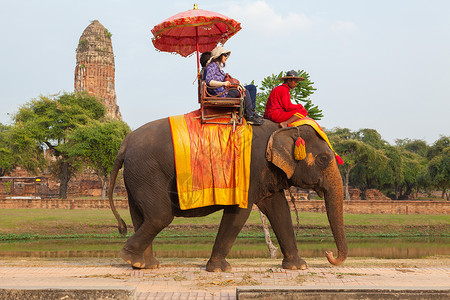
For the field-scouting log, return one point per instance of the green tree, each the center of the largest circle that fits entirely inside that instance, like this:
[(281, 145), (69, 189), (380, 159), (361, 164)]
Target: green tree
[(17, 148), (299, 95), (357, 155), (412, 166), (371, 137), (404, 167), (437, 172), (438, 147), (419, 147), (394, 172), (96, 145), (371, 174), (49, 121), (6, 154)]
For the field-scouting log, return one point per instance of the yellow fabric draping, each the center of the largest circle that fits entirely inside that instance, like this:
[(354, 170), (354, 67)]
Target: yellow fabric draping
[(212, 162)]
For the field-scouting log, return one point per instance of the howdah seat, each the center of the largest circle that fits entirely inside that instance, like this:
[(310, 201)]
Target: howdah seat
[(220, 110)]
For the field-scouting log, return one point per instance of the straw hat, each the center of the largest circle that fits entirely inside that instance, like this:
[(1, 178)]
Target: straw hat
[(218, 51), (292, 75)]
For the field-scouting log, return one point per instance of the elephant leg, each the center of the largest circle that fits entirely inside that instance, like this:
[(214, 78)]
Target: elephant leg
[(138, 250), (233, 220), (136, 215), (277, 211)]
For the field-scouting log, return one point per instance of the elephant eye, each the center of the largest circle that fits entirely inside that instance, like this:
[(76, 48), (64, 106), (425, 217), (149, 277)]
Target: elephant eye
[(323, 160)]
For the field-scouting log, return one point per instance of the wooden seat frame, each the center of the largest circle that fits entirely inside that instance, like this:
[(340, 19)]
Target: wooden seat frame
[(214, 107)]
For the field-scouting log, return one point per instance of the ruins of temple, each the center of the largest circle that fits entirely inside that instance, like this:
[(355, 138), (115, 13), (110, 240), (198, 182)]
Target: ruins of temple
[(95, 70)]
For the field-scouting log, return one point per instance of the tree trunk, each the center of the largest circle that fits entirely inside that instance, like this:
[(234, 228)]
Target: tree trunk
[(347, 181), (347, 175), (396, 191), (363, 194), (270, 245), (408, 191), (443, 193), (64, 177), (104, 181)]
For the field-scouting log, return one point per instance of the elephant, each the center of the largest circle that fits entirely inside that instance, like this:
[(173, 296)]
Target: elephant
[(150, 180)]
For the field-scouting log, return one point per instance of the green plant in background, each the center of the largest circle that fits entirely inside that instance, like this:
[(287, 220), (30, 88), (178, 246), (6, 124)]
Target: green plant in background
[(101, 50), (18, 148), (49, 121), (107, 33), (7, 187), (437, 172), (82, 45), (96, 145), (299, 95)]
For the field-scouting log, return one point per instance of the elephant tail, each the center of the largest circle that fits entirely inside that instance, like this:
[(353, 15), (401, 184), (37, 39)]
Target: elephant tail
[(112, 182)]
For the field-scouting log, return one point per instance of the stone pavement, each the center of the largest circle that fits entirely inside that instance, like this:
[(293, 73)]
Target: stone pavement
[(193, 282)]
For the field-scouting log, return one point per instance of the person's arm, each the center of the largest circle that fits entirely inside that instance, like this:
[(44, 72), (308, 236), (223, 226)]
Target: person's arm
[(289, 106), (219, 83), (213, 76)]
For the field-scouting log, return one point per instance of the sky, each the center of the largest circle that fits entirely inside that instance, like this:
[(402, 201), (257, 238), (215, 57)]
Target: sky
[(380, 64)]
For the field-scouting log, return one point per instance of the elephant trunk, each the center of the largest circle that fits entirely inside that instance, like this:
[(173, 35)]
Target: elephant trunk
[(334, 199)]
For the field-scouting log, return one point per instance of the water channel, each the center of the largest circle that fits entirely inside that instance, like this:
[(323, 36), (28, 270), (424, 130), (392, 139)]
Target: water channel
[(243, 248)]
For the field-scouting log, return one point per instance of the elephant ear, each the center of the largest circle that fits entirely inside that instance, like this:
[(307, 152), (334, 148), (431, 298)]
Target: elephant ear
[(280, 150)]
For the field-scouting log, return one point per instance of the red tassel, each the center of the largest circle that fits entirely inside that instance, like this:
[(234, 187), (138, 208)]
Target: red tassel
[(299, 142), (339, 160)]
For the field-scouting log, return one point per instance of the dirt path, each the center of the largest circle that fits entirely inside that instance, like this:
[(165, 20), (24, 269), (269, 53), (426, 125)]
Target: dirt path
[(187, 278)]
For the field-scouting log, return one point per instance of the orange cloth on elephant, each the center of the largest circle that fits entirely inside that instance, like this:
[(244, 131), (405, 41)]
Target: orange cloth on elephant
[(212, 162), (279, 107)]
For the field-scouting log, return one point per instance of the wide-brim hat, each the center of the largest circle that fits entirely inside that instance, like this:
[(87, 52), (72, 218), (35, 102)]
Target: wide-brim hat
[(218, 51), (292, 75)]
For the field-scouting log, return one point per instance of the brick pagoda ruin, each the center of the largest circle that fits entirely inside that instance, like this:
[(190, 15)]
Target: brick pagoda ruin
[(95, 70)]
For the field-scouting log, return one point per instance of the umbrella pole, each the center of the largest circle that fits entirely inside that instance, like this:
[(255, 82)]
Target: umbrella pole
[(198, 58)]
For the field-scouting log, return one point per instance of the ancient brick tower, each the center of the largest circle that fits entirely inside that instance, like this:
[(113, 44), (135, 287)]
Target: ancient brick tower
[(95, 71)]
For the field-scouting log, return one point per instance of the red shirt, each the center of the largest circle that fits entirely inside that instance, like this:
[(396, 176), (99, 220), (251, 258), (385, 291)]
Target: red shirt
[(279, 107)]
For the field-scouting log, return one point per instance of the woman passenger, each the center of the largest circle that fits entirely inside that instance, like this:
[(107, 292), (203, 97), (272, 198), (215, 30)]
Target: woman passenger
[(215, 77)]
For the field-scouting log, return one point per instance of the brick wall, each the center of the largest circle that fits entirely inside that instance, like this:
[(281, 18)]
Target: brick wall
[(350, 207), (379, 207), (62, 203)]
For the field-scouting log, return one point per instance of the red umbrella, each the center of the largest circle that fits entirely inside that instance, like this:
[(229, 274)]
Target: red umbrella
[(193, 30)]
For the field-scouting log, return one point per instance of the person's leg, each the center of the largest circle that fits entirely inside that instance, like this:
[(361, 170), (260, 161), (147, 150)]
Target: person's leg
[(251, 88), (293, 118), (251, 117), (249, 109)]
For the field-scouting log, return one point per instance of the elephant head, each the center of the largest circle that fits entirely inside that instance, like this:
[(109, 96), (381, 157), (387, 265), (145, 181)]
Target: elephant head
[(315, 169)]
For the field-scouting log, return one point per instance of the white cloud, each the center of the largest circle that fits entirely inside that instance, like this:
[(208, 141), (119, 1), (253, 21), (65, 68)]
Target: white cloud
[(260, 17), (344, 26)]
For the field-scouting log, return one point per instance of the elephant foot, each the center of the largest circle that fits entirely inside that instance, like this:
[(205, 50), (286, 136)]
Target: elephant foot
[(138, 261), (215, 265), (294, 263)]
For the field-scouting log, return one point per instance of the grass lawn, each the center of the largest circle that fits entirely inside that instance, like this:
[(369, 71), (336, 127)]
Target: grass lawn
[(102, 222), (94, 230)]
